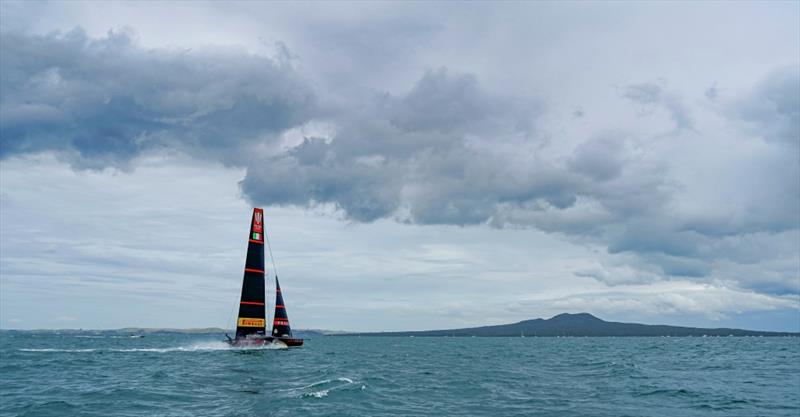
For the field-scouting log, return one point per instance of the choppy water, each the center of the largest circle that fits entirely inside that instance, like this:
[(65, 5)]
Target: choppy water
[(181, 375)]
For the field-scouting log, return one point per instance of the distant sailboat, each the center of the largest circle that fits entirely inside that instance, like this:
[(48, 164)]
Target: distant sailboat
[(251, 322)]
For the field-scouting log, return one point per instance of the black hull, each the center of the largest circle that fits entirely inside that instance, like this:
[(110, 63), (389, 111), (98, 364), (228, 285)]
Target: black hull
[(257, 342)]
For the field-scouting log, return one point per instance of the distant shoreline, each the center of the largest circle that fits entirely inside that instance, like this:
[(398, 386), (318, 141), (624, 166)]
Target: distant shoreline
[(562, 325), (153, 330)]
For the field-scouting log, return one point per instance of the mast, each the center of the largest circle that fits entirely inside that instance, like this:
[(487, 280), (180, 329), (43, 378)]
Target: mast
[(251, 319), (280, 323)]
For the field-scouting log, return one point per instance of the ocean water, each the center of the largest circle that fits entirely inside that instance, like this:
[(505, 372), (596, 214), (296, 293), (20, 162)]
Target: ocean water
[(43, 374)]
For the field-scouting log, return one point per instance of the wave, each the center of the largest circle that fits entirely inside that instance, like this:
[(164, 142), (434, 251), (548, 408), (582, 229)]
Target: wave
[(327, 381), (107, 337), (317, 394), (322, 388)]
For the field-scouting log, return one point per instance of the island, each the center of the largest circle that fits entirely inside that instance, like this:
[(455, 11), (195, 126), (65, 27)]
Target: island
[(575, 325)]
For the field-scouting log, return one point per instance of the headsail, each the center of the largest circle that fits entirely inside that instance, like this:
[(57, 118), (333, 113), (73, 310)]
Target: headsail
[(280, 324), (252, 320)]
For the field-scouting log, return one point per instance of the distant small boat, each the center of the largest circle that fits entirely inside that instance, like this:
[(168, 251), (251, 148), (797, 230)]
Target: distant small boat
[(251, 322)]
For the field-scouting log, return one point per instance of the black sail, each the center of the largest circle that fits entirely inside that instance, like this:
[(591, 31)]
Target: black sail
[(252, 320), (280, 324)]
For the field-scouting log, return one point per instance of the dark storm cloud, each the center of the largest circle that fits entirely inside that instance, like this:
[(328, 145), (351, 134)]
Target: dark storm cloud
[(415, 152), (107, 100)]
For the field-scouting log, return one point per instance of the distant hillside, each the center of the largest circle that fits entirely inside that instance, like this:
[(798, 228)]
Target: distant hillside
[(582, 324)]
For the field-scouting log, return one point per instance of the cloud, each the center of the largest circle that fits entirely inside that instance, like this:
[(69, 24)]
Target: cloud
[(447, 150), (600, 158), (653, 95), (445, 103), (103, 102), (714, 300), (772, 109), (435, 153)]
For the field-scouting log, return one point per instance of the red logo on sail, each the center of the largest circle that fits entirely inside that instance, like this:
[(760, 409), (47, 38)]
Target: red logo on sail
[(258, 225)]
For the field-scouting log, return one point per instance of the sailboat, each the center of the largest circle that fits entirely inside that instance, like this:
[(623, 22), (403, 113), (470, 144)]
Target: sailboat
[(252, 319)]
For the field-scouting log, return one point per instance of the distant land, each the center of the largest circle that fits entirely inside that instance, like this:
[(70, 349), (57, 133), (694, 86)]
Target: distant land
[(575, 325), (562, 325), (141, 331)]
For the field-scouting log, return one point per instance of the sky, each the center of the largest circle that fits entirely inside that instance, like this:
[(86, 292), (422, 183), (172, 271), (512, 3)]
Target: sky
[(421, 165)]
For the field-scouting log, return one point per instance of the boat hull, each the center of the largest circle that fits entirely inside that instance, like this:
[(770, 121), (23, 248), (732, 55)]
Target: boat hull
[(290, 342)]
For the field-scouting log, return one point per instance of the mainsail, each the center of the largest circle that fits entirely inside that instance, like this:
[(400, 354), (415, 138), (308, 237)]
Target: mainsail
[(252, 320), (280, 324)]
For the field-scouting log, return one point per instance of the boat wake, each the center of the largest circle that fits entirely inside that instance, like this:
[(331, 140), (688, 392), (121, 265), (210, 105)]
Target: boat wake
[(58, 350), (277, 344), (197, 347)]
